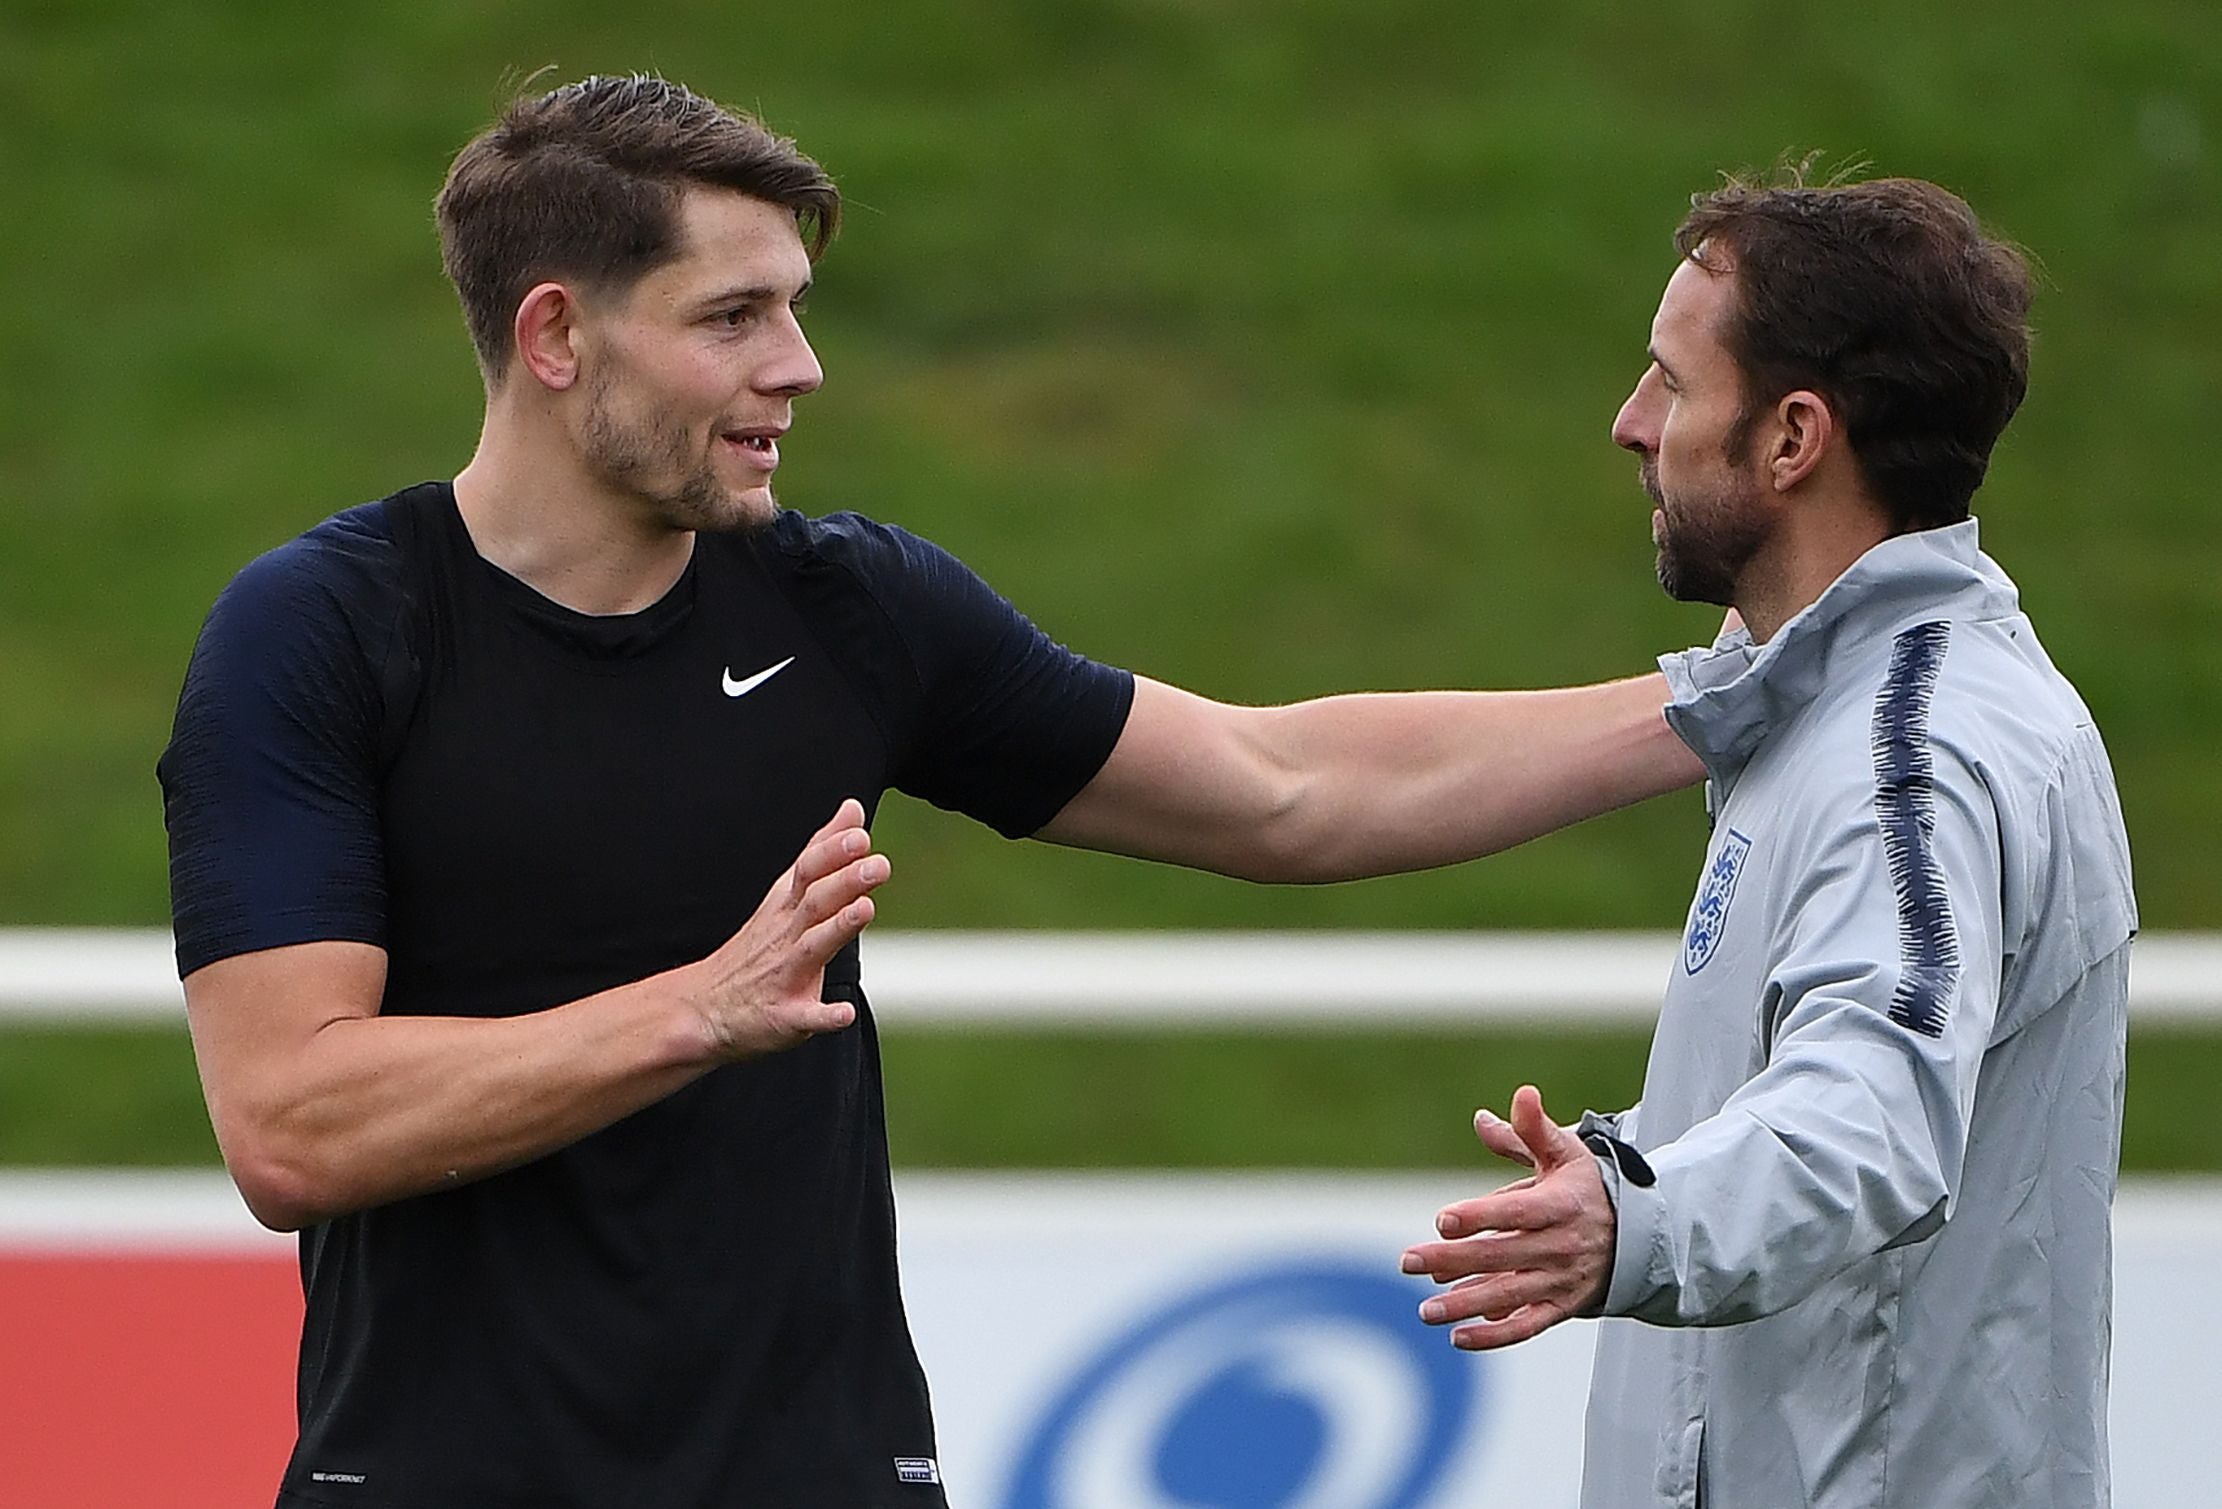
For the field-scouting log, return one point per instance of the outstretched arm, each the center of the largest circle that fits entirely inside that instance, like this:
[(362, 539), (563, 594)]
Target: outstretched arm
[(1370, 784), (323, 1106)]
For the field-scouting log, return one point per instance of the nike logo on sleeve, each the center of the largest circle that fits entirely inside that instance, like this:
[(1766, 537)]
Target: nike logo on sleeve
[(742, 688)]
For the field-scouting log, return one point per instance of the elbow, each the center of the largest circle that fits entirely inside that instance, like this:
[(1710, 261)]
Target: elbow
[(277, 1194), (1284, 843), (281, 1183), (1283, 837)]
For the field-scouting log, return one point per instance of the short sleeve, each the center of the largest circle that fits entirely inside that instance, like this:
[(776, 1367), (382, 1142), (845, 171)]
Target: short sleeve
[(1008, 725), (270, 780)]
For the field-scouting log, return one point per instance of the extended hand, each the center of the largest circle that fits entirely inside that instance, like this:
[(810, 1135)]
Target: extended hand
[(761, 991), (1530, 1255)]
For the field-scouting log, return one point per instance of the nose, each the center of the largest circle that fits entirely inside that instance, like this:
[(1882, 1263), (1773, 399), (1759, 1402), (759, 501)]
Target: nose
[(1635, 427), (793, 369)]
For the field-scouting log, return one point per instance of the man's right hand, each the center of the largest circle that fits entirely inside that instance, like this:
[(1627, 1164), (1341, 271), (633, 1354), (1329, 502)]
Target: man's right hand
[(761, 992)]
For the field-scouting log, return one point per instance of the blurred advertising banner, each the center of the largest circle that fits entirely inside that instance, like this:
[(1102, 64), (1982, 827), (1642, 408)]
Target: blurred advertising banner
[(1217, 1341), (1094, 1342)]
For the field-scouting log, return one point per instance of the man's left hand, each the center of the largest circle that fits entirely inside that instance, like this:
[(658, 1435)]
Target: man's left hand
[(1530, 1255)]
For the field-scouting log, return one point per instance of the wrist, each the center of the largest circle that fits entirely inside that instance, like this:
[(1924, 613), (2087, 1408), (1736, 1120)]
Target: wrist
[(693, 1035)]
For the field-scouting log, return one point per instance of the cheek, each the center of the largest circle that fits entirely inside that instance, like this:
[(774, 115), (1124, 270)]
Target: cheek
[(1690, 437), (710, 362), (683, 375)]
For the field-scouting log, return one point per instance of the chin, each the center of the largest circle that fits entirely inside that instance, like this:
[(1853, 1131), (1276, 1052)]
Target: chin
[(747, 505), (721, 510), (753, 508)]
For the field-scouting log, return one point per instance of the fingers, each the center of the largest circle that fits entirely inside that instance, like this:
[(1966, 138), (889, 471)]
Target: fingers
[(1524, 1206), (833, 912), (761, 991), (1549, 1143), (850, 814), (833, 872), (1445, 1261), (1494, 1252), (1496, 1296), (841, 841), (817, 945), (1533, 1253), (1503, 1308), (1497, 1135), (1520, 1325), (830, 893), (822, 1016)]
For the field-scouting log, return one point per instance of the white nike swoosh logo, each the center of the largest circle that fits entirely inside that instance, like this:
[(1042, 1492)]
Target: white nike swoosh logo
[(743, 688)]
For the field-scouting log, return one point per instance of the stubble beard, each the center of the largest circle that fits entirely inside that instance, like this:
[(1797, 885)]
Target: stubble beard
[(640, 456), (1708, 538)]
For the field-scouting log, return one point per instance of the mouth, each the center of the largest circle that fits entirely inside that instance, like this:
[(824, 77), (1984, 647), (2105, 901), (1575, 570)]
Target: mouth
[(1647, 473), (757, 446)]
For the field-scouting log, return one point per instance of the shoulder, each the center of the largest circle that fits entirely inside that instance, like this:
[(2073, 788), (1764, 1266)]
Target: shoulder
[(1939, 713), (327, 609), (1994, 702), (882, 559), (855, 576), (350, 561), (1982, 688)]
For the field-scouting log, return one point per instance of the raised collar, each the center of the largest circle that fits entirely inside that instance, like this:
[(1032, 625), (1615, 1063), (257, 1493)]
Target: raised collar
[(1728, 696)]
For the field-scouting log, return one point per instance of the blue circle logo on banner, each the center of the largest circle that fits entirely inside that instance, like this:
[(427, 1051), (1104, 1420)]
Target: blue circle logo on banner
[(1309, 1387)]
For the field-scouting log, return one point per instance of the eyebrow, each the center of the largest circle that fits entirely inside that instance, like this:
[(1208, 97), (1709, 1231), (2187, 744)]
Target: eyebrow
[(755, 293)]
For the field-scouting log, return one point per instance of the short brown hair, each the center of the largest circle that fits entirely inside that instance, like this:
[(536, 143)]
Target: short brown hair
[(1889, 300), (585, 182)]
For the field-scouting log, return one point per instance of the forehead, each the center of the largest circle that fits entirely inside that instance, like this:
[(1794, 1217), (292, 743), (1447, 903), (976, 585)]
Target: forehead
[(1692, 313), (727, 238)]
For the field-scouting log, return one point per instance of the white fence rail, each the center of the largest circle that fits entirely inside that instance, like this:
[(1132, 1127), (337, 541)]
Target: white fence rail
[(1147, 980)]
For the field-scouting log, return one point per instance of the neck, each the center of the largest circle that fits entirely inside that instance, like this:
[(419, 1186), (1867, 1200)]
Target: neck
[(532, 510), (1814, 547)]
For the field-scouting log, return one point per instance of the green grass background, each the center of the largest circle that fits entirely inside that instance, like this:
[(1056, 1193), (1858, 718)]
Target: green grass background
[(1267, 346)]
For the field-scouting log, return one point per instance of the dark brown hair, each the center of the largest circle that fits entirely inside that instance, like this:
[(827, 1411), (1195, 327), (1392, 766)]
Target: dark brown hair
[(1888, 300), (585, 182)]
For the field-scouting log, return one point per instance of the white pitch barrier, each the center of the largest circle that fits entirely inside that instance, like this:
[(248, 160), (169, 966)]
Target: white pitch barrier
[(1143, 980)]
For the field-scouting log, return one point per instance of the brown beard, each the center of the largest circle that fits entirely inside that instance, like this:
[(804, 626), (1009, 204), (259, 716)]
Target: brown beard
[(631, 456), (1708, 539)]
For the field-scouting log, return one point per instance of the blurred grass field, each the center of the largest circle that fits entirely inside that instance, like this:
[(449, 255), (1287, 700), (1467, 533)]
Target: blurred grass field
[(1265, 347), (1201, 1099)]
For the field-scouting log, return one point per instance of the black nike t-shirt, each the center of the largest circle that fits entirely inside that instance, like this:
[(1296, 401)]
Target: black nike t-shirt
[(383, 738)]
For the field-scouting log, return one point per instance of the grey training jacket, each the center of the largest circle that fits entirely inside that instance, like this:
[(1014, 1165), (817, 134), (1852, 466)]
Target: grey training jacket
[(1884, 1101)]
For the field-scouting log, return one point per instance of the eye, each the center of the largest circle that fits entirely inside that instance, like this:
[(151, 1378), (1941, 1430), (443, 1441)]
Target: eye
[(735, 318)]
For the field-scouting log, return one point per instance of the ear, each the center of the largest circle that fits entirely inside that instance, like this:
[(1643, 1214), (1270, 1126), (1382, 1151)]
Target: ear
[(1805, 429), (547, 335)]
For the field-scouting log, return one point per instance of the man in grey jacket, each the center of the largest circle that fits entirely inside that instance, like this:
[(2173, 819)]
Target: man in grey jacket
[(1859, 1223)]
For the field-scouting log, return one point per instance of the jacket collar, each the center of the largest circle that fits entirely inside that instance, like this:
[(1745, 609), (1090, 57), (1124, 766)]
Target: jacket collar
[(1727, 697)]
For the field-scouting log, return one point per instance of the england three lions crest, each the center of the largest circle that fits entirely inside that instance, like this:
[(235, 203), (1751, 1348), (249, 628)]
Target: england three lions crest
[(1709, 917)]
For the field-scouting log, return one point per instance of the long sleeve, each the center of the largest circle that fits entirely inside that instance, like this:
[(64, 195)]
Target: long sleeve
[(1880, 1007)]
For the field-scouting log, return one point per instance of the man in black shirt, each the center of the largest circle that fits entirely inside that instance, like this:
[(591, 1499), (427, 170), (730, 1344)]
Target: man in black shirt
[(470, 787)]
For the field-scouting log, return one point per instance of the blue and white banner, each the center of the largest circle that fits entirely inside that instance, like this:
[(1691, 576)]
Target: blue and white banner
[(1093, 1342), (1245, 1342), (1216, 1342)]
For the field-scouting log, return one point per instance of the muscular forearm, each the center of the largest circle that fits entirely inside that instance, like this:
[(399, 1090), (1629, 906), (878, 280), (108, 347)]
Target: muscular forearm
[(1370, 784), (373, 1108), (1412, 780), (323, 1104)]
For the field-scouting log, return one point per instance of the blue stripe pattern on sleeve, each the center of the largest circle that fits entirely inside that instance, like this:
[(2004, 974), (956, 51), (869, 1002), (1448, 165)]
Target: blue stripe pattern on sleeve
[(1905, 806)]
